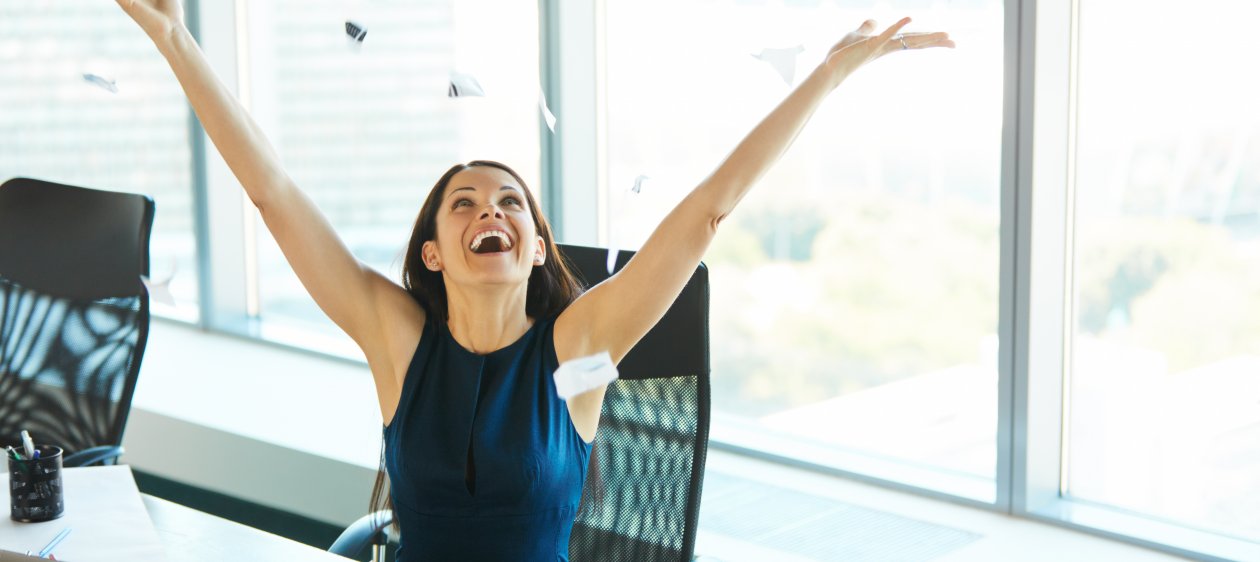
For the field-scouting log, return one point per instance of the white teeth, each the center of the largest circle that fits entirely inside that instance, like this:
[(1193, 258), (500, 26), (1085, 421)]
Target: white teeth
[(476, 243)]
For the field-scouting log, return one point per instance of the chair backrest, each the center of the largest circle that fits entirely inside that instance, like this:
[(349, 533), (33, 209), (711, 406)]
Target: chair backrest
[(642, 494), (74, 315)]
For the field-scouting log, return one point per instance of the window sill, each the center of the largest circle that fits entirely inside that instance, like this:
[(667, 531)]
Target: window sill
[(1146, 531), (740, 436)]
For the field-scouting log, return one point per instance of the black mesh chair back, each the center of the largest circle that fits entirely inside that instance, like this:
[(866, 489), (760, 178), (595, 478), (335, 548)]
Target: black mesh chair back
[(642, 496), (74, 315)]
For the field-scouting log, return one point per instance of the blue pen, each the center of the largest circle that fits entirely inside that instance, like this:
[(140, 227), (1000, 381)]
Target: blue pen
[(51, 545), (36, 457)]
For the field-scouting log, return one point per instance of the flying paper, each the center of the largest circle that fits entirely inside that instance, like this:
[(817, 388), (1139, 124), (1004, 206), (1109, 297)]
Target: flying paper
[(548, 116), (613, 251), (613, 246), (463, 85), (160, 291), (355, 31), (579, 375), (102, 82), (638, 183), (782, 60)]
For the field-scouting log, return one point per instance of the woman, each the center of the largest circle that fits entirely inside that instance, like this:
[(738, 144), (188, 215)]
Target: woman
[(485, 462)]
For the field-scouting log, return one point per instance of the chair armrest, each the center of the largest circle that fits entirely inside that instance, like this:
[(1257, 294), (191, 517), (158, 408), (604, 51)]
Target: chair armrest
[(369, 529), (92, 456)]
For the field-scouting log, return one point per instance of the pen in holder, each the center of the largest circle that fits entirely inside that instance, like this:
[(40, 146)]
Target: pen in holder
[(35, 492)]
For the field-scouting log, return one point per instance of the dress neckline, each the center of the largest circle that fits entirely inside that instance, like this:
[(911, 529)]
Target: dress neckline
[(446, 332)]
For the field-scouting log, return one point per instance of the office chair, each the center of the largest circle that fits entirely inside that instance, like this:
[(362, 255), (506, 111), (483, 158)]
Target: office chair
[(74, 315), (371, 529), (641, 500)]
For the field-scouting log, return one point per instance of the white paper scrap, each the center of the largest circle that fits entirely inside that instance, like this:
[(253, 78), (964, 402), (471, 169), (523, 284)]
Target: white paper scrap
[(612, 258), (548, 116), (576, 376), (464, 85), (355, 31), (782, 60), (161, 290), (104, 83), (613, 247), (638, 183)]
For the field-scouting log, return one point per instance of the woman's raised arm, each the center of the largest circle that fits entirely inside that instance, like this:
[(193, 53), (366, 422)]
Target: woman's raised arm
[(614, 315), (354, 296)]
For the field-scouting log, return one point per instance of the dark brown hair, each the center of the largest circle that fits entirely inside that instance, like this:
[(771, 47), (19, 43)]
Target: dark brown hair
[(552, 286)]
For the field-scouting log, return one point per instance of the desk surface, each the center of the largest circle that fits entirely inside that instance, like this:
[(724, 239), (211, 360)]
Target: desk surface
[(194, 536)]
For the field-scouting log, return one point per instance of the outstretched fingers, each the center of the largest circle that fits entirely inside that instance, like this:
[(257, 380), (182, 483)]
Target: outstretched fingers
[(884, 38), (858, 47), (924, 40)]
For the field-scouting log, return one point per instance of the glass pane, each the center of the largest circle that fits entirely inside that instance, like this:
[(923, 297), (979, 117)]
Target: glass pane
[(367, 128), (55, 125), (855, 289), (1165, 384)]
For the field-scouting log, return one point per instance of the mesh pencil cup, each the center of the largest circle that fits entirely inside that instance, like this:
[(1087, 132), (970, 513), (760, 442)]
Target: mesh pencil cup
[(35, 492)]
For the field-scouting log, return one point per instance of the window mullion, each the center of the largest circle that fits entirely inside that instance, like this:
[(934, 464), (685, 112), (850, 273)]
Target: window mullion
[(221, 220), (573, 157), (1042, 286)]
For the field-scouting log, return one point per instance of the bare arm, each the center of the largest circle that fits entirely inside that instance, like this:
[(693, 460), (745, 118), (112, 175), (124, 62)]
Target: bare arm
[(354, 296), (614, 315)]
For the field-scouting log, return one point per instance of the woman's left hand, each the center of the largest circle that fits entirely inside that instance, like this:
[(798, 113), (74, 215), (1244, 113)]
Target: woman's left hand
[(859, 47)]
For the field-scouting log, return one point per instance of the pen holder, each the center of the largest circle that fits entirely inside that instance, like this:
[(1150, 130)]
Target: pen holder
[(35, 492)]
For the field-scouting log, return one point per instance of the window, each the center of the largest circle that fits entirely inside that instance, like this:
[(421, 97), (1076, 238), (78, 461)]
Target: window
[(55, 125), (855, 290), (367, 128), (1165, 373)]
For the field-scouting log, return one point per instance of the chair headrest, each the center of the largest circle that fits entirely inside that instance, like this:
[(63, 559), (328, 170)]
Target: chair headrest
[(74, 242), (678, 344)]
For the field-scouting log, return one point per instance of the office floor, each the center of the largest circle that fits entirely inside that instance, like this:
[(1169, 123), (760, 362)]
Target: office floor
[(827, 518)]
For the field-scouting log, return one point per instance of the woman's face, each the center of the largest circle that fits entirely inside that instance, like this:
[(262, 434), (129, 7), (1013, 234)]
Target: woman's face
[(485, 234)]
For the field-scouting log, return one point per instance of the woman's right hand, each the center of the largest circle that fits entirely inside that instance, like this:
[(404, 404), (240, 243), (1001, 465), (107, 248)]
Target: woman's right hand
[(158, 18)]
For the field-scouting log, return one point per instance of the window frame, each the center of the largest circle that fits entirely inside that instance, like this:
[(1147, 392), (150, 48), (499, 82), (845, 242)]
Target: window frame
[(1043, 58), (570, 52), (227, 277)]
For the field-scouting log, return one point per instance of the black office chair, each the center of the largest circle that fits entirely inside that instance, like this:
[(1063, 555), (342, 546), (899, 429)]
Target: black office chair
[(74, 315), (642, 494), (641, 502), (370, 530)]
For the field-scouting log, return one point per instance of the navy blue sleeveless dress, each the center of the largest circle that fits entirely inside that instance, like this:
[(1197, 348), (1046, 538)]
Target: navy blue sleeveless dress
[(498, 412)]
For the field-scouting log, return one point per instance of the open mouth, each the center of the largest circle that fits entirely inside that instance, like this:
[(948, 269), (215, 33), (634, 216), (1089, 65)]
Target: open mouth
[(491, 242)]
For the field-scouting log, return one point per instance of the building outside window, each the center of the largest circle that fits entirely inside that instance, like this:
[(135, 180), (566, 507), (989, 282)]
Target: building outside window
[(855, 289)]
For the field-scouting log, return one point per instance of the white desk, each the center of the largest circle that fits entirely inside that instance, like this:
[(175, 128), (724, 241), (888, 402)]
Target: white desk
[(194, 536), (106, 513)]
